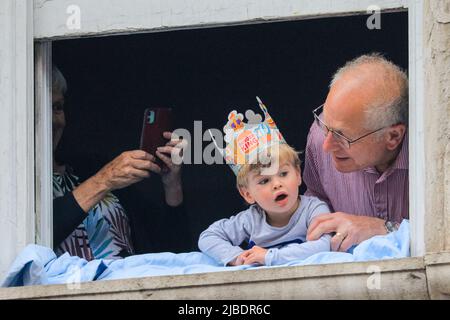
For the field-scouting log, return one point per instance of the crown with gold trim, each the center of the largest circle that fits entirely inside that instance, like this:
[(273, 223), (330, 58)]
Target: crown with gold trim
[(245, 142)]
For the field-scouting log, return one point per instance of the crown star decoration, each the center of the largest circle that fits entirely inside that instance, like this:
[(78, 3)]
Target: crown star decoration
[(245, 141)]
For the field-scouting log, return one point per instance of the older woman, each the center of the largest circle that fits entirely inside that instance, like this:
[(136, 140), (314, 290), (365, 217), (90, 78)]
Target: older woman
[(88, 219)]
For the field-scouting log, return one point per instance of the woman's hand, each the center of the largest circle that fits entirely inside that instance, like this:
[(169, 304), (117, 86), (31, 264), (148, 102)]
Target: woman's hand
[(131, 167), (173, 150), (171, 155), (126, 169)]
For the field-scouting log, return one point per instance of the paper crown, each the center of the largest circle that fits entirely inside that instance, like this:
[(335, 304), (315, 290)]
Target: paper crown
[(245, 141)]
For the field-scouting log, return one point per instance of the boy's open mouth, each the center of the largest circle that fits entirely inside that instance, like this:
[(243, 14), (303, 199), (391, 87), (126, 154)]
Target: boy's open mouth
[(281, 197)]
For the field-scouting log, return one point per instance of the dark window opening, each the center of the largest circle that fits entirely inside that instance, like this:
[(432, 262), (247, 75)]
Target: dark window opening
[(203, 74)]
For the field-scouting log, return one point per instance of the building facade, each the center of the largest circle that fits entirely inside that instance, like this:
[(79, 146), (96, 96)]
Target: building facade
[(28, 28)]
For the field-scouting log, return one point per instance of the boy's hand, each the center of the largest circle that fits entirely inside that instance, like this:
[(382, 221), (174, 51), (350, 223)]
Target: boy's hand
[(254, 255), (239, 259)]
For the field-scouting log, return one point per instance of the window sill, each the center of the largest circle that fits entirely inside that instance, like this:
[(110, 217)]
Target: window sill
[(399, 279)]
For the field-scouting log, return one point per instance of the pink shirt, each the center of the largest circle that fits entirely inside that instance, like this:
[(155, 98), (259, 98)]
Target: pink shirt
[(364, 192)]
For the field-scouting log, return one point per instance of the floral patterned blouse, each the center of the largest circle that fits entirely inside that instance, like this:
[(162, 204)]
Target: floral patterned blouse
[(104, 234)]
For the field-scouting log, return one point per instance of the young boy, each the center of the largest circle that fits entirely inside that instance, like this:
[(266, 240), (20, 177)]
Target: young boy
[(275, 225)]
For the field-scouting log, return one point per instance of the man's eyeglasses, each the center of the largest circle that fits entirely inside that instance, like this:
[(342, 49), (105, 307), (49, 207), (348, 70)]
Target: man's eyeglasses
[(338, 137)]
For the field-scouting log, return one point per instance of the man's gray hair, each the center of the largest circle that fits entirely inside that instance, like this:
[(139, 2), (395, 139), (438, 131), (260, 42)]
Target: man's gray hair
[(392, 107), (59, 83)]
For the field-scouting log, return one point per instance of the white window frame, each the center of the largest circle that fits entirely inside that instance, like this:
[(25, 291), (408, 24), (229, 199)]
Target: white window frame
[(44, 144), (52, 22), (17, 161)]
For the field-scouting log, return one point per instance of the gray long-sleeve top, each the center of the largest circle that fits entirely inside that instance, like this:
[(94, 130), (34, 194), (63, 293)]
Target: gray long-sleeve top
[(222, 239)]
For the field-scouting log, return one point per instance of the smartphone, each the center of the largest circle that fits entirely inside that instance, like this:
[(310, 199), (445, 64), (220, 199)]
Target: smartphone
[(156, 122)]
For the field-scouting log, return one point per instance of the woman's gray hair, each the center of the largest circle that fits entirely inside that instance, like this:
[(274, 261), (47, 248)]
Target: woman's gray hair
[(392, 107), (59, 83)]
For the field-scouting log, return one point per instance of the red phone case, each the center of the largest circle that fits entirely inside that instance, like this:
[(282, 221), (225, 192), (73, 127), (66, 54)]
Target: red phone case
[(156, 121)]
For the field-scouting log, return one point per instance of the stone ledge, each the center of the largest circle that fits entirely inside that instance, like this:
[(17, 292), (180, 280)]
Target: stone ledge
[(438, 275), (399, 278)]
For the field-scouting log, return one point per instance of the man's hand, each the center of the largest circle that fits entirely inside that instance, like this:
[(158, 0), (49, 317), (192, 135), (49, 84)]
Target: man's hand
[(350, 229)]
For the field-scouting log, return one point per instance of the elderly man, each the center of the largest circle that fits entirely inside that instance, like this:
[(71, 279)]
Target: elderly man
[(357, 152)]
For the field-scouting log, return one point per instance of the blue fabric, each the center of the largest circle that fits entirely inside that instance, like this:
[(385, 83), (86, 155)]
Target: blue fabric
[(39, 265)]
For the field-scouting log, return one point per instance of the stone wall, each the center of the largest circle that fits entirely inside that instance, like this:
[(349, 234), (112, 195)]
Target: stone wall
[(437, 124)]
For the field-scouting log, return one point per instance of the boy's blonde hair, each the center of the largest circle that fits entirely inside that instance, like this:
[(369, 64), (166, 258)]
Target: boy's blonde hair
[(286, 154)]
